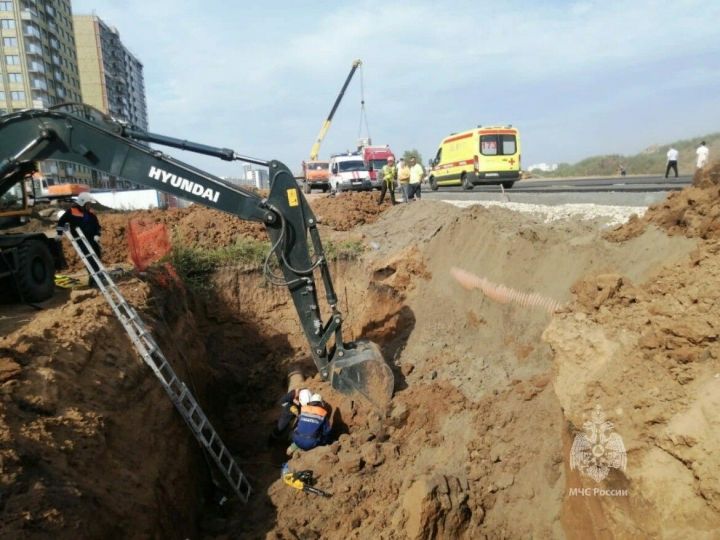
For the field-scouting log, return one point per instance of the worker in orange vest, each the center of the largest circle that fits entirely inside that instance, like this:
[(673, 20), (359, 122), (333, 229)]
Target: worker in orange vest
[(313, 426), (291, 403), (80, 216)]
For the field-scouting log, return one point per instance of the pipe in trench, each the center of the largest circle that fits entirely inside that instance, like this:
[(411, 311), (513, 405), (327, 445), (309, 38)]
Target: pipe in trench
[(295, 380)]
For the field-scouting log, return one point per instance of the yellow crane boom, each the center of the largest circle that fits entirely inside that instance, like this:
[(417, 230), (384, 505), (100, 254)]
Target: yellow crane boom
[(315, 150)]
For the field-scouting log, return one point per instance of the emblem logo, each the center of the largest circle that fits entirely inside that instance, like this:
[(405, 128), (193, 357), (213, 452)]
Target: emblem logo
[(599, 449)]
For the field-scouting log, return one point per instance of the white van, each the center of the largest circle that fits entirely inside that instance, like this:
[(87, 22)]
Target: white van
[(348, 172)]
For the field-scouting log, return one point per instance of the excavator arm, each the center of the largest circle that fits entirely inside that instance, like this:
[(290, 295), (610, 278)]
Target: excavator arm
[(79, 134)]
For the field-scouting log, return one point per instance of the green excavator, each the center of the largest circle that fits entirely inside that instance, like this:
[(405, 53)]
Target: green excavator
[(82, 135)]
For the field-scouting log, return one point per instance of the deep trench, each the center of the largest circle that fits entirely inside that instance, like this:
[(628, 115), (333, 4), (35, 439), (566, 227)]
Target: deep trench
[(251, 342), (236, 342)]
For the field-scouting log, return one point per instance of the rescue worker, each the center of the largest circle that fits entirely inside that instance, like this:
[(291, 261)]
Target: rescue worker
[(403, 175), (389, 176), (313, 426), (416, 175), (291, 403), (80, 216)]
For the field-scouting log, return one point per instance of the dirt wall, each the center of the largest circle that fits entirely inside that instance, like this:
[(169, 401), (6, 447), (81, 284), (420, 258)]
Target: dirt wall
[(646, 351), (477, 441), (90, 446)]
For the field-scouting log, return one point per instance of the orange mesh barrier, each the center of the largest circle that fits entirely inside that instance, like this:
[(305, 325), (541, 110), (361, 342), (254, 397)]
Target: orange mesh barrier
[(148, 242)]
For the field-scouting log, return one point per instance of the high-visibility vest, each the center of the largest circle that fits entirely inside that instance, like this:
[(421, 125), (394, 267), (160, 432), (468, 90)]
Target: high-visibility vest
[(312, 426), (389, 173)]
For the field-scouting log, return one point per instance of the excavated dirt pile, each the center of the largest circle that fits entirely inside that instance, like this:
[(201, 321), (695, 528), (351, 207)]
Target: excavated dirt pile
[(647, 351), (693, 212), (90, 447), (489, 399), (348, 210), (196, 226), (205, 228)]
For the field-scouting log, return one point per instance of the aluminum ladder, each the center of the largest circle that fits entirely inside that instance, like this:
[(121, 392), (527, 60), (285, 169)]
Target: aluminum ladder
[(147, 348)]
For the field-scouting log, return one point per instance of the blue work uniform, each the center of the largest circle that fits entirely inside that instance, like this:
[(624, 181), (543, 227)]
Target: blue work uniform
[(81, 217), (313, 426), (290, 404)]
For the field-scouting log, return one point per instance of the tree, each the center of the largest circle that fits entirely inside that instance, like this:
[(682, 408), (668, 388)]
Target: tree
[(412, 153)]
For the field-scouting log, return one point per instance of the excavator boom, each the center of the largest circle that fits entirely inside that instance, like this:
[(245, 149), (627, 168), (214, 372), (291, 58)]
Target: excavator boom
[(79, 134)]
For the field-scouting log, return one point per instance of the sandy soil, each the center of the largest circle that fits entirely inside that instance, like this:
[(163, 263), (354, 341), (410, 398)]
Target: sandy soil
[(489, 397)]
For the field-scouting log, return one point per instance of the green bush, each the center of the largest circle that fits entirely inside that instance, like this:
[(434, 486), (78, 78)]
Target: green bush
[(347, 250), (194, 263), (650, 161)]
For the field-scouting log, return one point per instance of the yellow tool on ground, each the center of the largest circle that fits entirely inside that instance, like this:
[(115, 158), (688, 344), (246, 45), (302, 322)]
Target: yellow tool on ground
[(66, 282), (302, 480)]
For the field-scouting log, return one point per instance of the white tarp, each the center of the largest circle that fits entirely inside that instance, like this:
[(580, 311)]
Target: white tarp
[(134, 199)]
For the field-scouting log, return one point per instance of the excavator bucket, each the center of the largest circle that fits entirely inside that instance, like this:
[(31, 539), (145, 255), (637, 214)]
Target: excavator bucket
[(362, 369)]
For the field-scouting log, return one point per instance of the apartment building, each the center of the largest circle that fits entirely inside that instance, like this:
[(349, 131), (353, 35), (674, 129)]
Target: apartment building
[(38, 65), (111, 77), (38, 61)]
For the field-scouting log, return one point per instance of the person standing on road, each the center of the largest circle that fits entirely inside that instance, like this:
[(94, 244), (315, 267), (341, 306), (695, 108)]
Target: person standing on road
[(416, 176), (702, 155), (672, 159), (403, 175), (80, 216), (389, 175)]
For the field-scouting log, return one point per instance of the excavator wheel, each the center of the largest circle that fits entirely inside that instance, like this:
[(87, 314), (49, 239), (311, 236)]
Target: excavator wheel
[(35, 275), (362, 369)]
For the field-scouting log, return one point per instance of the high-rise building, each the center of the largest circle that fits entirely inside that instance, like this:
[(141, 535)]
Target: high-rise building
[(38, 65), (48, 56), (258, 178), (38, 61), (111, 77)]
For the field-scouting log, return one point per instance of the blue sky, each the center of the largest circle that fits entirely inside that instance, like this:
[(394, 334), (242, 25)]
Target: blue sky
[(578, 78)]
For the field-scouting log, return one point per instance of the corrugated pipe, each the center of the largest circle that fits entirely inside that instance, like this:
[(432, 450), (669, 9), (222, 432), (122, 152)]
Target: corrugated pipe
[(503, 294)]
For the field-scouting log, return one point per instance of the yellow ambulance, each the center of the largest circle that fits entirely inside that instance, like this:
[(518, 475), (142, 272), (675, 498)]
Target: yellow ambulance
[(484, 155)]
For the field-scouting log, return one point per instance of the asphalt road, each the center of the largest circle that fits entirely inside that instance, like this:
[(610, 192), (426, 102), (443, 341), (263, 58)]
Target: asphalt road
[(615, 190)]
